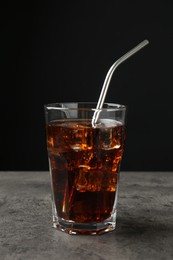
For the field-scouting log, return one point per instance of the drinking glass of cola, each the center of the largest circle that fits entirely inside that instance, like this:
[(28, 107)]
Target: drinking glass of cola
[(84, 162)]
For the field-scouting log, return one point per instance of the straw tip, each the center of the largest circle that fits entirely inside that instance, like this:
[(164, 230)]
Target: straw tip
[(146, 41)]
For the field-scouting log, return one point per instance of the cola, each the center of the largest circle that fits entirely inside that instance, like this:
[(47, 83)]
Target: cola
[(84, 164)]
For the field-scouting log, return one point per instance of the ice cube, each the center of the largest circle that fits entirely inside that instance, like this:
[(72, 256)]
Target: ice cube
[(110, 134), (81, 138), (94, 180), (108, 123), (81, 181)]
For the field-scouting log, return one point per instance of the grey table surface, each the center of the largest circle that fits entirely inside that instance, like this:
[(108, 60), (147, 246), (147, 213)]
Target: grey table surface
[(144, 222)]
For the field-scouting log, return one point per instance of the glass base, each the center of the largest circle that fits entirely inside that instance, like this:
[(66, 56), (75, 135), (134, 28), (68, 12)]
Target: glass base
[(74, 228)]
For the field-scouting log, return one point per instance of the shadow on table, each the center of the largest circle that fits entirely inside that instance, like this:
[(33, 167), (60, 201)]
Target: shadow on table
[(146, 227)]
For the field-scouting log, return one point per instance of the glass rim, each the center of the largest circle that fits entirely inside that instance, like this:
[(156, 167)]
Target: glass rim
[(113, 106)]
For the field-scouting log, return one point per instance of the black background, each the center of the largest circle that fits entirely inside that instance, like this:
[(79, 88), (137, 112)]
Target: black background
[(61, 51)]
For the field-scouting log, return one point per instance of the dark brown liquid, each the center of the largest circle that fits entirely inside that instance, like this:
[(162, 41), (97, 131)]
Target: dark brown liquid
[(84, 164)]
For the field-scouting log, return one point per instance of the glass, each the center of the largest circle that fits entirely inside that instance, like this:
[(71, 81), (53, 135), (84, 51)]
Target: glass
[(84, 162)]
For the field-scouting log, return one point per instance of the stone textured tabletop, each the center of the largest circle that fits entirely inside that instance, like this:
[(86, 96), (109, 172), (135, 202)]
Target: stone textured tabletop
[(144, 223)]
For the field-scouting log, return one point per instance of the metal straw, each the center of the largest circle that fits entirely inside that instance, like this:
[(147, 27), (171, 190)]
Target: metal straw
[(109, 76)]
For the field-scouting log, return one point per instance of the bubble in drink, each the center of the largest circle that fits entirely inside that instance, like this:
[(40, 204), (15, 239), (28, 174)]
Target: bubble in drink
[(84, 165)]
